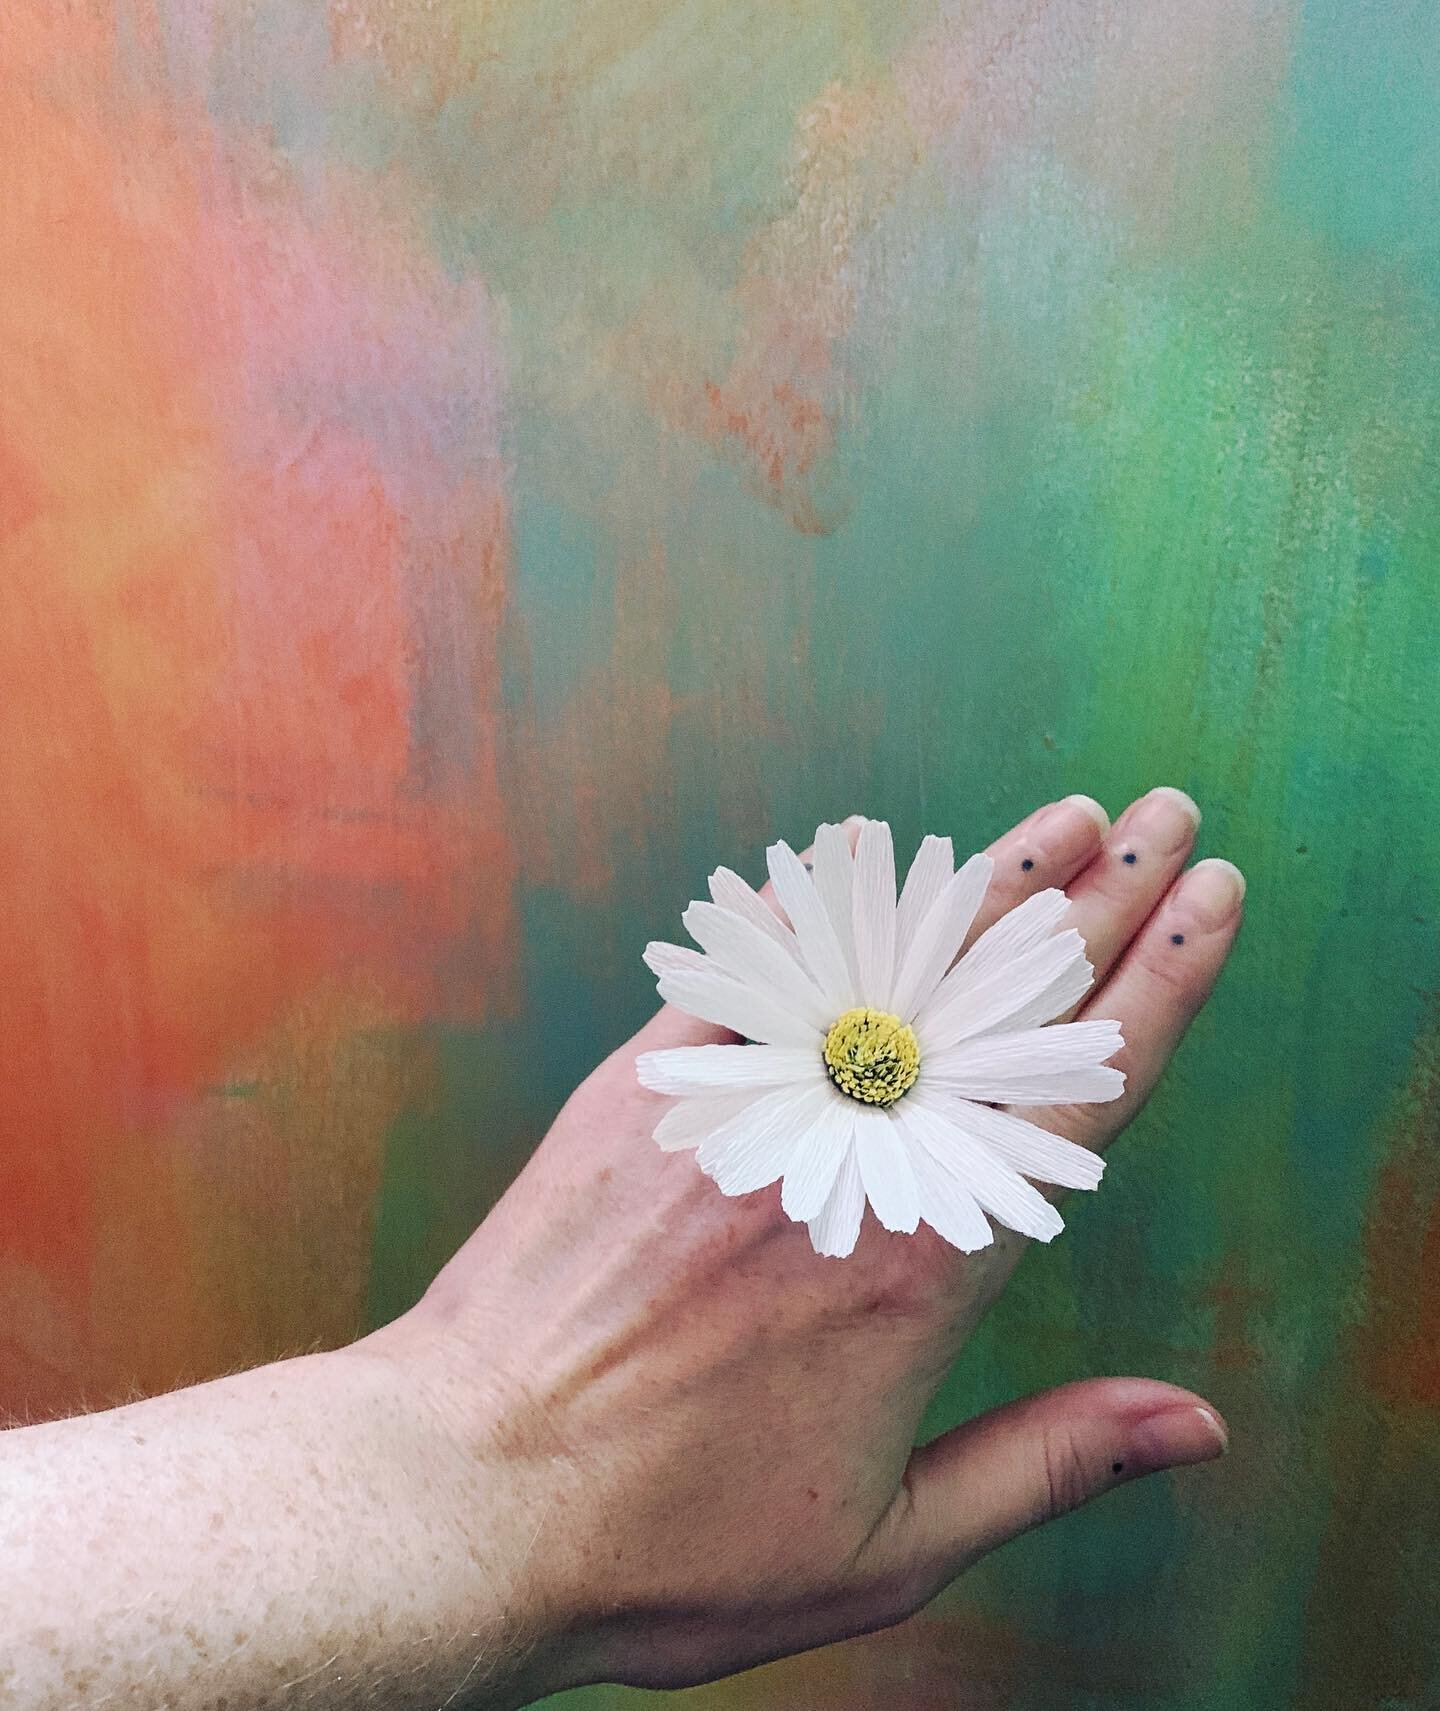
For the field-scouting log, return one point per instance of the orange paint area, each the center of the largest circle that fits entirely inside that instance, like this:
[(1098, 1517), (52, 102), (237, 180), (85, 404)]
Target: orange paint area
[(226, 788)]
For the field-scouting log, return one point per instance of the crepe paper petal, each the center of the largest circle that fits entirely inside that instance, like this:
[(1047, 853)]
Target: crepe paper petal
[(718, 998), (742, 951), (753, 1149), (732, 893), (999, 1191), (876, 1064), (875, 913), (690, 1121), (929, 873), (1028, 924), (835, 887), (834, 1232), (1042, 1066), (814, 930), (886, 1171), (662, 959), (1041, 984), (815, 1160), (946, 1205), (685, 1070), (942, 932), (1025, 1147), (1053, 978)]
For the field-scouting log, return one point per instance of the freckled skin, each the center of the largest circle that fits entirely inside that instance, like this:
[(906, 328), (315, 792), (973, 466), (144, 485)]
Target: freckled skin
[(495, 1497)]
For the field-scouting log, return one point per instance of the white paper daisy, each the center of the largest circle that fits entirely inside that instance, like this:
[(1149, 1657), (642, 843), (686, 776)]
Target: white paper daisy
[(873, 1068)]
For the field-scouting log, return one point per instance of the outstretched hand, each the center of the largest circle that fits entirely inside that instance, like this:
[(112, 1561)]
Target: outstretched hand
[(704, 1432)]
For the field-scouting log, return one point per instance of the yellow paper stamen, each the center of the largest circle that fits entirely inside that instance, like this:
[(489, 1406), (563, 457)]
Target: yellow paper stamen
[(872, 1056)]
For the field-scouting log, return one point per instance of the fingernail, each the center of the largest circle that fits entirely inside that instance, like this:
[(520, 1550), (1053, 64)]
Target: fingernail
[(1060, 836), (1165, 820), (1176, 1437), (1088, 805), (1213, 890)]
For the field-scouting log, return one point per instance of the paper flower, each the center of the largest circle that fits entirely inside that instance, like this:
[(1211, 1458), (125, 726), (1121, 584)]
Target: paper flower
[(873, 1069)]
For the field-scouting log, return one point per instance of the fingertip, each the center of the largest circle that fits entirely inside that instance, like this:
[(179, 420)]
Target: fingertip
[(1214, 889), (1181, 799), (1092, 809), (1175, 1437)]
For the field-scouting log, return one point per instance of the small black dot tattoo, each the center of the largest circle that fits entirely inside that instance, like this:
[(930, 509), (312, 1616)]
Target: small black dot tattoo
[(1177, 938), (1026, 865), (1117, 1467), (1129, 858)]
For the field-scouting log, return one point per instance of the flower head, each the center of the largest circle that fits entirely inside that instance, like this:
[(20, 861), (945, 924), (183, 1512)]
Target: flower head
[(876, 1064)]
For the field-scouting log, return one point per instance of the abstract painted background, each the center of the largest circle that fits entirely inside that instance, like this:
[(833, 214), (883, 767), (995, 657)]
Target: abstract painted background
[(467, 466)]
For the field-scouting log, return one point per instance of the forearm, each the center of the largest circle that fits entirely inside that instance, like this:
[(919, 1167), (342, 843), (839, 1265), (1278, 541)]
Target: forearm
[(291, 1537)]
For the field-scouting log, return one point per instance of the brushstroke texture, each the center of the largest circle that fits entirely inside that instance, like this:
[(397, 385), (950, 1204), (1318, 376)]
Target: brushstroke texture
[(466, 470)]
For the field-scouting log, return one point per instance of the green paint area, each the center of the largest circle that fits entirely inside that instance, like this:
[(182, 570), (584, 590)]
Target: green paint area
[(1114, 496)]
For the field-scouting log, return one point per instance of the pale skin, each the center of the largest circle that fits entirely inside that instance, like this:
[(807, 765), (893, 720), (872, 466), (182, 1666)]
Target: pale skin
[(635, 1430)]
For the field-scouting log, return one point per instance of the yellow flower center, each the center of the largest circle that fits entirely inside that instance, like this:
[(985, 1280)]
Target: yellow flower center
[(872, 1056)]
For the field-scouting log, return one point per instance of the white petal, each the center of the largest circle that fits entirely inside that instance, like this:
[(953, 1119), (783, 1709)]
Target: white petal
[(833, 1231), (1041, 984), (662, 959), (756, 961), (820, 946), (885, 1170), (689, 1121), (1072, 978), (715, 997), (1025, 1147), (933, 864), (835, 887), (1028, 924), (874, 912), (939, 936), (732, 893), (946, 1205), (727, 1069), (753, 1149), (1042, 1066), (1004, 1195), (817, 1157)]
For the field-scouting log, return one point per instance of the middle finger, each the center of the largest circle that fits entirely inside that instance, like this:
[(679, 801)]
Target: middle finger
[(1119, 890)]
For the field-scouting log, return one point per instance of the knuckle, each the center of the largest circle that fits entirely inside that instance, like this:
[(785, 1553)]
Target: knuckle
[(899, 1597), (1177, 981), (1091, 1126), (1067, 1473), (903, 1293), (895, 1593)]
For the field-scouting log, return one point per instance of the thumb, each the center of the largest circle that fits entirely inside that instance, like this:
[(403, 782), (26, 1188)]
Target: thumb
[(1036, 1459)]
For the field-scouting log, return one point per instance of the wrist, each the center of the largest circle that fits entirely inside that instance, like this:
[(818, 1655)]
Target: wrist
[(469, 1506)]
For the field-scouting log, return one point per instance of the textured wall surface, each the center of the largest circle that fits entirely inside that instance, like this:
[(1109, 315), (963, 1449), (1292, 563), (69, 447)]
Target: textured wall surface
[(468, 466)]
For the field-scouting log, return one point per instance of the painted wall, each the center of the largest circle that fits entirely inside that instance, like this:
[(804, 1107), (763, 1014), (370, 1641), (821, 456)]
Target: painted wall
[(467, 468)]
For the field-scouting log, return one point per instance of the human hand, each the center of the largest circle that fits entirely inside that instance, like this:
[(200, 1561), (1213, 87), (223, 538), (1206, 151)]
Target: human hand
[(704, 1430)]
